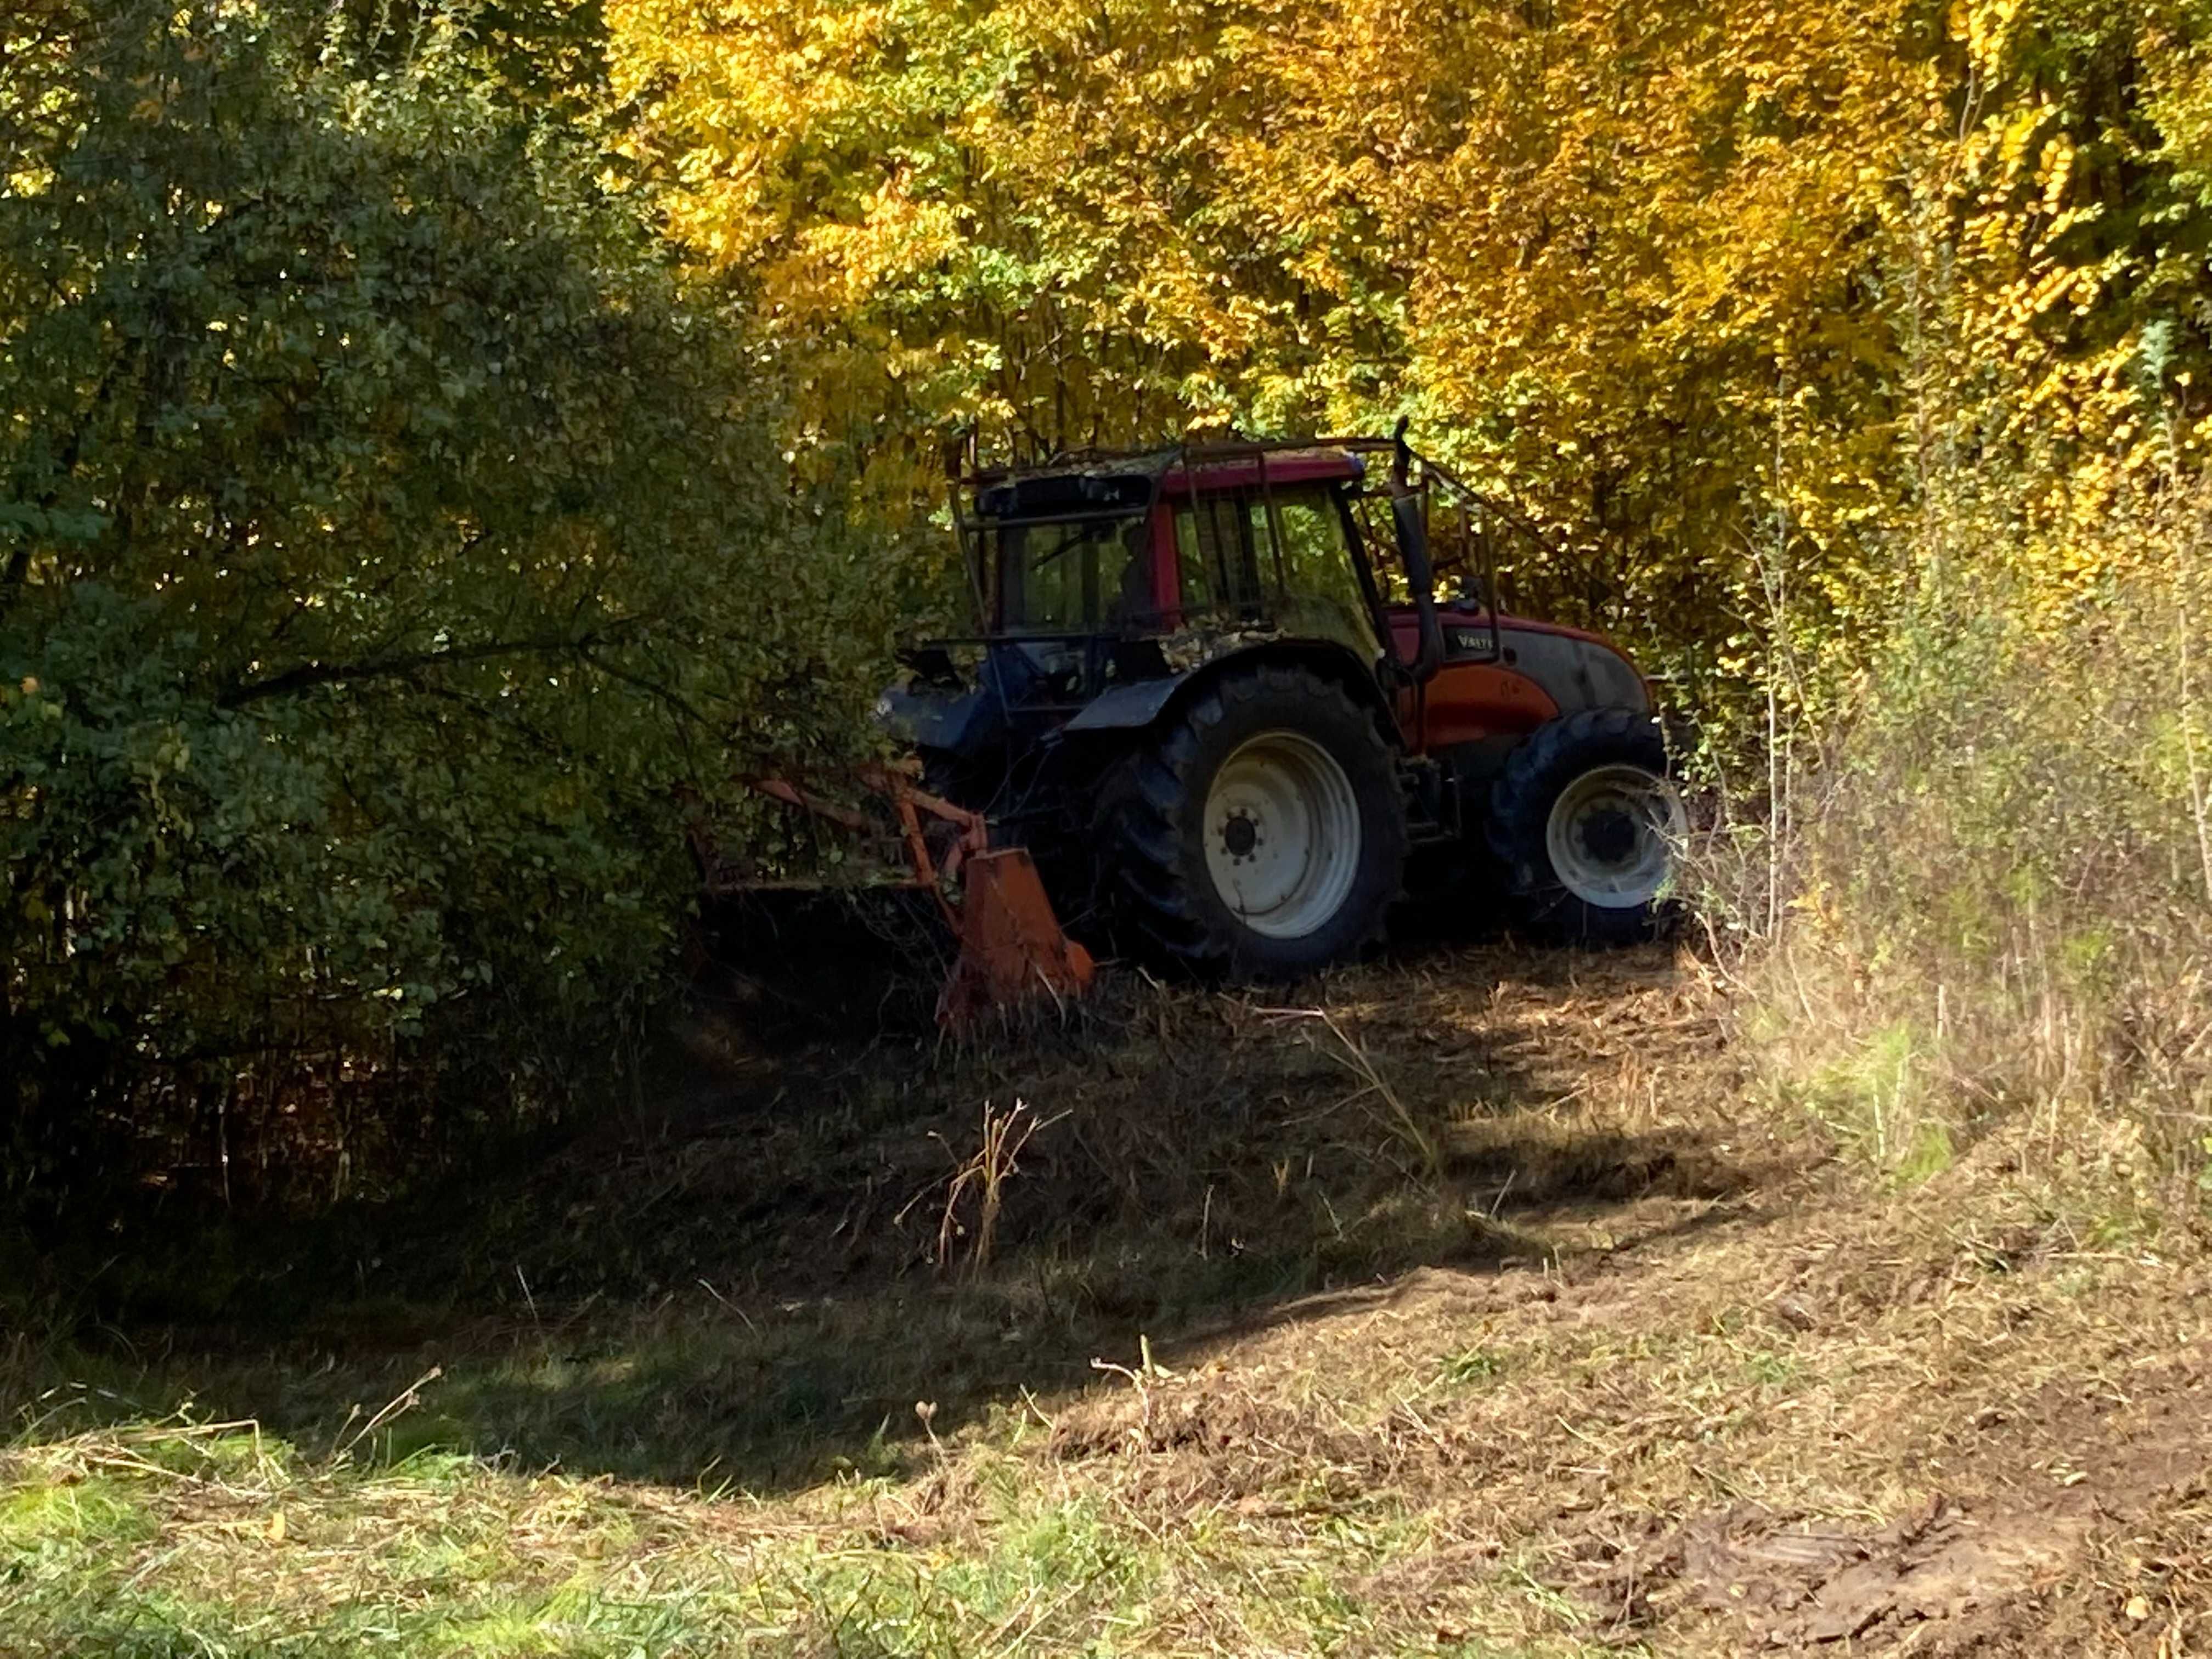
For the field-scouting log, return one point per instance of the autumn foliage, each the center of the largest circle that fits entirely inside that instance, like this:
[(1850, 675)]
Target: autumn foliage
[(1694, 280)]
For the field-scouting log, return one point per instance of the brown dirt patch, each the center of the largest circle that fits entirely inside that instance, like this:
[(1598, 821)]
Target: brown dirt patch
[(1980, 1574), (1800, 1586)]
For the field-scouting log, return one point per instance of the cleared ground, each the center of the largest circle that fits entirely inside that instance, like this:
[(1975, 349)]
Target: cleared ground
[(1483, 1307)]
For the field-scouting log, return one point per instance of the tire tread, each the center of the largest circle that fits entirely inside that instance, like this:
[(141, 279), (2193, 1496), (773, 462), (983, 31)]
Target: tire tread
[(1148, 827)]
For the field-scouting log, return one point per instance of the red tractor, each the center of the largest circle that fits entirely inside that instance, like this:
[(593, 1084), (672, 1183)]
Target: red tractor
[(1220, 699)]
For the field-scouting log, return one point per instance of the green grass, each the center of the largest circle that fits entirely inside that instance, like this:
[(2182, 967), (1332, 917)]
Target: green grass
[(459, 1556), (1471, 1367)]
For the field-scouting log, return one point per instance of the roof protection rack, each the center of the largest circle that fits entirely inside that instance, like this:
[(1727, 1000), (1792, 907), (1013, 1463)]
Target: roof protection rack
[(1095, 495)]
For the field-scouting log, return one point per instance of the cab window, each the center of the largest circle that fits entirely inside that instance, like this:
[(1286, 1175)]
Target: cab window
[(1215, 550), (1070, 578), (1313, 561)]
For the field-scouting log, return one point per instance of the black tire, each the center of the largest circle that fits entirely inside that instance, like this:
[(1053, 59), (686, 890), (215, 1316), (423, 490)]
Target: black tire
[(1159, 848), (1537, 776)]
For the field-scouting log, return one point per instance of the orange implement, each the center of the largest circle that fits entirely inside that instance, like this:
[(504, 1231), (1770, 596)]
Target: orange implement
[(1012, 949)]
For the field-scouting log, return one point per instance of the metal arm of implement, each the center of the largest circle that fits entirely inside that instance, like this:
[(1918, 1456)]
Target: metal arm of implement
[(1012, 948)]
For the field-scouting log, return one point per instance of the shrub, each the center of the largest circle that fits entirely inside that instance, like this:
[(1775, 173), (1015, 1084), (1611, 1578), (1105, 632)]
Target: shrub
[(1999, 878), (382, 536)]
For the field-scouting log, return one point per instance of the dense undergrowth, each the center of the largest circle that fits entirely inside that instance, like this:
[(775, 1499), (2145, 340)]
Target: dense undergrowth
[(1981, 907), (382, 534)]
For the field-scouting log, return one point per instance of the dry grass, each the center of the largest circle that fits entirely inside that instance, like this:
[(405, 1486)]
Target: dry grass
[(1482, 1311), (1984, 894)]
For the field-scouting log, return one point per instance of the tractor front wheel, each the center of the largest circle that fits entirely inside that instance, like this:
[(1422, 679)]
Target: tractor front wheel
[(1589, 826), (1262, 834)]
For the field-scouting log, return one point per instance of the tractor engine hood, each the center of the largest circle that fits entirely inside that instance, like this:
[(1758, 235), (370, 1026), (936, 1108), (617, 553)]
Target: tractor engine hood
[(956, 722), (1575, 669)]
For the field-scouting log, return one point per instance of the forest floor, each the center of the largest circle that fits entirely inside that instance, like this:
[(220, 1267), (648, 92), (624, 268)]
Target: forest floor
[(1483, 1305)]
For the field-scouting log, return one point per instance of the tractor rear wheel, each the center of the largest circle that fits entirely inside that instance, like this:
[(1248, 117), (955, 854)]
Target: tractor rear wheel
[(1262, 833), (1589, 825)]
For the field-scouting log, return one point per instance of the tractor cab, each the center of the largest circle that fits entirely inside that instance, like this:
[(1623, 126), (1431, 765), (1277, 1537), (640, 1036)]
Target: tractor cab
[(1105, 571), (1238, 543)]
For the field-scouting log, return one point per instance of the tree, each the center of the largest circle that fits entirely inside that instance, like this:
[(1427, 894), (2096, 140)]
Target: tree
[(382, 536), (1686, 279)]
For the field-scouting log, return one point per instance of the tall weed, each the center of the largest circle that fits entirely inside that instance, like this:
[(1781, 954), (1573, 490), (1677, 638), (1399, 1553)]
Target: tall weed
[(1988, 906)]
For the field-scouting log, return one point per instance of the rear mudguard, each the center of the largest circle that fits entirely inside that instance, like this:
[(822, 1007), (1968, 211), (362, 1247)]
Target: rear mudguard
[(1125, 708), (1141, 704)]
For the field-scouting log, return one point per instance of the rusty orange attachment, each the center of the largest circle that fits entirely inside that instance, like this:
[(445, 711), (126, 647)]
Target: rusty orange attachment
[(1012, 949)]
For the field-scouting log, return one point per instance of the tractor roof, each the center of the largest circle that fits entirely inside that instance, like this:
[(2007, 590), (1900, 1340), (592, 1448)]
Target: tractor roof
[(1128, 479), (1240, 468)]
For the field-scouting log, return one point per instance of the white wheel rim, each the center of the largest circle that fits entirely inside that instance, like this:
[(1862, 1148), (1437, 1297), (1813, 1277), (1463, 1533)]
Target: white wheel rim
[(1612, 837), (1282, 835)]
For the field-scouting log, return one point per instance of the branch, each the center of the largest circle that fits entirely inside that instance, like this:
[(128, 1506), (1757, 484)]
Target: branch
[(653, 689), (308, 675)]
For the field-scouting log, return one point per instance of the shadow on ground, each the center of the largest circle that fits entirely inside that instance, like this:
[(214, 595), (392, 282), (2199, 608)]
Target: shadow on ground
[(762, 1279)]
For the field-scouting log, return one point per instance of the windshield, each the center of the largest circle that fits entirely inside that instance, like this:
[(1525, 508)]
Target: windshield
[(1085, 577)]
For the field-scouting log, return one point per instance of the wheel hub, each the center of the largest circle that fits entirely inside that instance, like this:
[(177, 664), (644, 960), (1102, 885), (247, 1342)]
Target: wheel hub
[(1283, 833), (1609, 835), (1612, 833)]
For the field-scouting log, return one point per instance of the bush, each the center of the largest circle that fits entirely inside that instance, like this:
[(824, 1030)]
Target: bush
[(382, 537), (1999, 878)]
